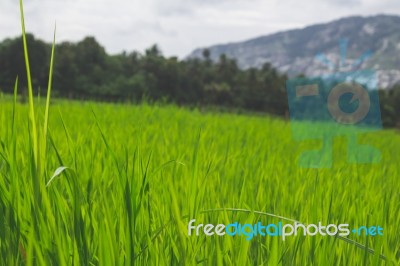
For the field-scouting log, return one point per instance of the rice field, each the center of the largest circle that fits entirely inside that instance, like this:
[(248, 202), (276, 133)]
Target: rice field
[(85, 183), (135, 176)]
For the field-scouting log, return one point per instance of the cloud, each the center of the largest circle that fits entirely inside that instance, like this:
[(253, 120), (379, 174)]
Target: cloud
[(178, 26), (192, 7)]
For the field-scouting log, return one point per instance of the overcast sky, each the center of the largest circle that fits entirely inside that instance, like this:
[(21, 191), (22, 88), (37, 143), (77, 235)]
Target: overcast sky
[(178, 26)]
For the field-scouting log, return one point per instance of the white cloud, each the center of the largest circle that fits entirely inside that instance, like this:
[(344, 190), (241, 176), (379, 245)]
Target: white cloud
[(178, 26)]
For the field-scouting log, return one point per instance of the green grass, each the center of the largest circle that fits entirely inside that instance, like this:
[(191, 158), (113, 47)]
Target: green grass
[(103, 184), (136, 174)]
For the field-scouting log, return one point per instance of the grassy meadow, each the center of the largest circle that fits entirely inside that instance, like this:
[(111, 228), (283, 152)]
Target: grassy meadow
[(137, 174), (85, 183)]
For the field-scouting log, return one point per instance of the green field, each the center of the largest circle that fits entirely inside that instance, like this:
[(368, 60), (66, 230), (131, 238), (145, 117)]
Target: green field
[(85, 183), (137, 174)]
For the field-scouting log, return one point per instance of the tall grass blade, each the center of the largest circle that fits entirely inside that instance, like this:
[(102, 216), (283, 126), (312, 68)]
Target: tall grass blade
[(30, 90)]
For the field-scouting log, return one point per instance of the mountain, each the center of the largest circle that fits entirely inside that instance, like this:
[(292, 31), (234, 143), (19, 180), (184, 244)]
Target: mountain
[(295, 52)]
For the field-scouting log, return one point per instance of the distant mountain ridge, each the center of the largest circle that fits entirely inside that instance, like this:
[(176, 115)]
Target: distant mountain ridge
[(294, 52)]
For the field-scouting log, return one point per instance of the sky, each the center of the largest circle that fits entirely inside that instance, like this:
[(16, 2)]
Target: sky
[(177, 26)]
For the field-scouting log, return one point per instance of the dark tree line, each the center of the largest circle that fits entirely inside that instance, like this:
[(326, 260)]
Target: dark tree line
[(84, 70)]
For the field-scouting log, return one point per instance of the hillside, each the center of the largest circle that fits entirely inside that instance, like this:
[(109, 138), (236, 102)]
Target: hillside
[(294, 52)]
